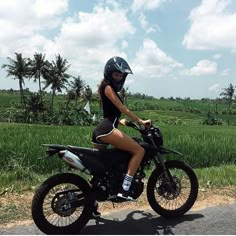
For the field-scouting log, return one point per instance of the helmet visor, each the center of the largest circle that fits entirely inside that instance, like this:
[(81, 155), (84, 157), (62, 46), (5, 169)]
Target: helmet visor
[(122, 66)]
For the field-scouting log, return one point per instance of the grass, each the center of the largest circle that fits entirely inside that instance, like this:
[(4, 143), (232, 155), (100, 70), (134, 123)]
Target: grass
[(8, 213), (20, 144), (20, 147), (203, 146), (8, 99), (217, 177), (180, 117), (11, 184), (182, 104), (224, 175)]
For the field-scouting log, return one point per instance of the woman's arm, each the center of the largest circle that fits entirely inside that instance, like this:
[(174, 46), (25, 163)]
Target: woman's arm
[(109, 92)]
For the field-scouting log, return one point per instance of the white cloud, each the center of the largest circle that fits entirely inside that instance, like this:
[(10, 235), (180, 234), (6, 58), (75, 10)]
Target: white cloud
[(90, 39), (22, 24), (145, 24), (146, 4), (152, 62), (214, 88), (87, 40), (45, 8), (143, 20), (203, 67), (216, 56), (32, 14), (212, 26), (95, 29)]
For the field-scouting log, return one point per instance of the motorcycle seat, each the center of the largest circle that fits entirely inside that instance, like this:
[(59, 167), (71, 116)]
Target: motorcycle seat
[(99, 160)]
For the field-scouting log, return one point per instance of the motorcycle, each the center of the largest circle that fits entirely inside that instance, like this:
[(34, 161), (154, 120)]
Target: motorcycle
[(64, 203)]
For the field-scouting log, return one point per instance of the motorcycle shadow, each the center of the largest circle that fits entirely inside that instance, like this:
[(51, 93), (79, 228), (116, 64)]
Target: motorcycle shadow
[(136, 222)]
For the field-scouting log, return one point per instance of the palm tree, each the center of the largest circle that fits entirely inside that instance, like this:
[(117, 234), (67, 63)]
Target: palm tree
[(39, 68), (77, 87), (228, 94), (19, 69), (57, 76)]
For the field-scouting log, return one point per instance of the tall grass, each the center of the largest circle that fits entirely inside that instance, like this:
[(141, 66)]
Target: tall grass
[(182, 104), (202, 146), (8, 99), (224, 175), (20, 145)]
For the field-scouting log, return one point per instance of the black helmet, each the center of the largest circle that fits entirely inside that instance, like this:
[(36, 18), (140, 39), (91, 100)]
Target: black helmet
[(116, 64)]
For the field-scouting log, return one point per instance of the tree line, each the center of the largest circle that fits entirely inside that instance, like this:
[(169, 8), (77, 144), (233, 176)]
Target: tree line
[(49, 74), (55, 75)]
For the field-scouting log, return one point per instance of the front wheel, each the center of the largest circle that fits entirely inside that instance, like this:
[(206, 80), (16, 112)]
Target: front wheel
[(172, 198), (62, 204)]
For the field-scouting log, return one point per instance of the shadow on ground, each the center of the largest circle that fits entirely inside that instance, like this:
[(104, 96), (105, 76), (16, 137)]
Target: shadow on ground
[(137, 222)]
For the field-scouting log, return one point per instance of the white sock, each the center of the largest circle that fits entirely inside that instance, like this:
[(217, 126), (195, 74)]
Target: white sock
[(127, 182)]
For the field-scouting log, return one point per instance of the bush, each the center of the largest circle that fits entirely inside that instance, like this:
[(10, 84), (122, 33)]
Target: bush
[(64, 115), (213, 121)]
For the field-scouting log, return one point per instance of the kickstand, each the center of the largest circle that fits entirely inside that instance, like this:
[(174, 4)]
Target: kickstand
[(113, 204)]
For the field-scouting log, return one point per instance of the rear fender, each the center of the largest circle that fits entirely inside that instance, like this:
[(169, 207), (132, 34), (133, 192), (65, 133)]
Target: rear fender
[(53, 149), (49, 152)]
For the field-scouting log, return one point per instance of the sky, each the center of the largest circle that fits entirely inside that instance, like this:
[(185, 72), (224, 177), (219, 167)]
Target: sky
[(175, 48)]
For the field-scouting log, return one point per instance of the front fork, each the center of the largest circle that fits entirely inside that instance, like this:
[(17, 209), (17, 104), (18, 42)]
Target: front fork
[(160, 163)]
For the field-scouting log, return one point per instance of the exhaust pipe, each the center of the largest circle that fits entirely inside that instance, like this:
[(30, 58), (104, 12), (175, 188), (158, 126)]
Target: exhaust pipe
[(73, 160)]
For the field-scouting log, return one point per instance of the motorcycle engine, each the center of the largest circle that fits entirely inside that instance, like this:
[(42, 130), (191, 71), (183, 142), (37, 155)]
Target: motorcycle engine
[(106, 187)]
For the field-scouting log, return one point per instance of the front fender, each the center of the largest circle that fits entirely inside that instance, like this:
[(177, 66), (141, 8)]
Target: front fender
[(168, 163), (170, 151)]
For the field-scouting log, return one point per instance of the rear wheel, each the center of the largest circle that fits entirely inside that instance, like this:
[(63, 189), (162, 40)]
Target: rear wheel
[(172, 198), (63, 204)]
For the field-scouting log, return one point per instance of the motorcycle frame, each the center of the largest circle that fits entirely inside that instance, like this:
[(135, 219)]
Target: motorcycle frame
[(157, 156)]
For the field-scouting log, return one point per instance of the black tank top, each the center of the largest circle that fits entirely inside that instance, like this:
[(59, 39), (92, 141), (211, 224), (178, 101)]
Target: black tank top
[(109, 109)]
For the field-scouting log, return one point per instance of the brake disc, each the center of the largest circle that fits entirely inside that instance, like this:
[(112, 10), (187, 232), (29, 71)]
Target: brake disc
[(61, 205), (168, 191)]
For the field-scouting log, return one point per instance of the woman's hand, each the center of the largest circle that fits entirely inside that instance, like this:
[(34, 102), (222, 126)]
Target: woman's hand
[(146, 123), (122, 121)]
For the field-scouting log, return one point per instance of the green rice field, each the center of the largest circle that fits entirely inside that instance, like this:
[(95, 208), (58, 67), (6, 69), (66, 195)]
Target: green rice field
[(202, 146)]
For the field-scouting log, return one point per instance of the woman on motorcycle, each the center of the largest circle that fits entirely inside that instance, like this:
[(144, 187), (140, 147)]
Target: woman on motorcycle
[(107, 132)]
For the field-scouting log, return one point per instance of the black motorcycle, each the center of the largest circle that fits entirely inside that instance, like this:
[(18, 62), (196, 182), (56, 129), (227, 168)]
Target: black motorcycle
[(64, 203)]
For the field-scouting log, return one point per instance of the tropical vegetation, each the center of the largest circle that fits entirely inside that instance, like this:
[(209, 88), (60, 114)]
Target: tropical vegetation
[(204, 130)]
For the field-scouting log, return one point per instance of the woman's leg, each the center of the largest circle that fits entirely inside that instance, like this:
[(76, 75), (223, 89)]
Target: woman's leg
[(122, 141), (96, 213)]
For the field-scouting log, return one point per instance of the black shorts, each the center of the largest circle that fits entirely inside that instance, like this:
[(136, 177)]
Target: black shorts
[(104, 128)]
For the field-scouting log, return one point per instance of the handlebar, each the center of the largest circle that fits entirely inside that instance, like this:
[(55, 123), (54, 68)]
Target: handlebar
[(150, 134), (141, 128)]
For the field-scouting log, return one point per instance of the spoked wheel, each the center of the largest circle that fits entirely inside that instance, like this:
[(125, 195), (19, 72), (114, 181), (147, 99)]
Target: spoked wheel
[(172, 198), (63, 204)]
